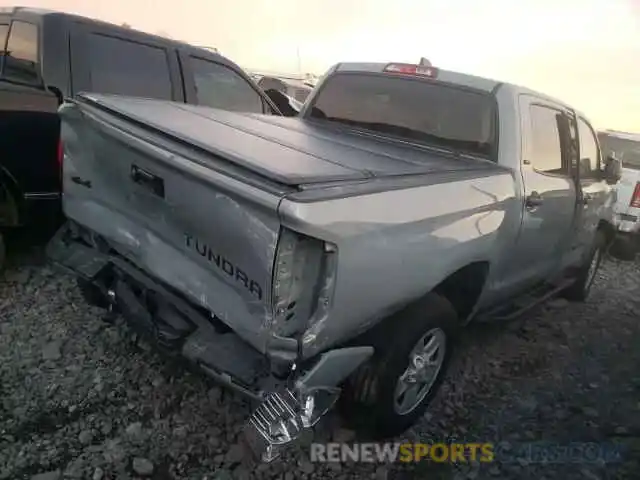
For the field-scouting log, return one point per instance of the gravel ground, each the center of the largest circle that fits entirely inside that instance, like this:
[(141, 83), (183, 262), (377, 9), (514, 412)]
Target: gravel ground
[(79, 401)]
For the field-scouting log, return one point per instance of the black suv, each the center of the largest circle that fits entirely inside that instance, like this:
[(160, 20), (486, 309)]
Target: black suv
[(47, 56)]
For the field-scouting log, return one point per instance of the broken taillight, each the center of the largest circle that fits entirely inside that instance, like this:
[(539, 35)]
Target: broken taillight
[(635, 198)]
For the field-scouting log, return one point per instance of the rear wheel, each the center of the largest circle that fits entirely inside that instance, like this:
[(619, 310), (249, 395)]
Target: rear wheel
[(391, 392), (579, 291)]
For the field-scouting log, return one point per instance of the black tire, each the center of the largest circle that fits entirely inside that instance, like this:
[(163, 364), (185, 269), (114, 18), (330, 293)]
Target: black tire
[(368, 400), (579, 291), (624, 249)]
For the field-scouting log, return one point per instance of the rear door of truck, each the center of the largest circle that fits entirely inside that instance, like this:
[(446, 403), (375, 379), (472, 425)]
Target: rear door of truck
[(550, 192)]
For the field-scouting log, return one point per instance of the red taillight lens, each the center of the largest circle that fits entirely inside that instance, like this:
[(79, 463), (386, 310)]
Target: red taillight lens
[(635, 198), (60, 153)]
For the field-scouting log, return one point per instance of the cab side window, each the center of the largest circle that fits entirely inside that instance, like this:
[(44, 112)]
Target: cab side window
[(4, 32), (589, 151), (125, 67), (217, 86), (20, 55), (546, 146)]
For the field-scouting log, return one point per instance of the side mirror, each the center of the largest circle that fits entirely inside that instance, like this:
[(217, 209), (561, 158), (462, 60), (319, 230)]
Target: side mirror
[(288, 106), (612, 170)]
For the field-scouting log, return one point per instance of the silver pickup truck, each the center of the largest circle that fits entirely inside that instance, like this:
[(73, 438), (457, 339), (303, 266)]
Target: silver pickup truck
[(332, 257)]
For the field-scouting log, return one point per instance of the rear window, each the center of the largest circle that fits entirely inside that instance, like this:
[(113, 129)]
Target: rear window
[(413, 109), (626, 150)]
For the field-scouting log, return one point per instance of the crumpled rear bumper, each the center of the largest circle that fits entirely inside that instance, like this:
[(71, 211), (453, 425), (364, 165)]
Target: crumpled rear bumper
[(291, 397), (285, 414)]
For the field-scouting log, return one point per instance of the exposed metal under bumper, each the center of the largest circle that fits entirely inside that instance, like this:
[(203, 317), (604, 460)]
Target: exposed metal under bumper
[(282, 418), (285, 414)]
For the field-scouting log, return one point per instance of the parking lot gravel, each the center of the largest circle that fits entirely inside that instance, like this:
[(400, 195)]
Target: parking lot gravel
[(78, 400)]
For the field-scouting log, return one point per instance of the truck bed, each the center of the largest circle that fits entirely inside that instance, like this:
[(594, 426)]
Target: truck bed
[(289, 151)]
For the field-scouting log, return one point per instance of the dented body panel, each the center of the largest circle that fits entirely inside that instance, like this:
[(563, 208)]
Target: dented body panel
[(214, 244), (388, 257)]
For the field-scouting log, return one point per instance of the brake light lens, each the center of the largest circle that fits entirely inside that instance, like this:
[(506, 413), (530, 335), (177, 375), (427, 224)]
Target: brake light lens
[(635, 198), (60, 154), (410, 69)]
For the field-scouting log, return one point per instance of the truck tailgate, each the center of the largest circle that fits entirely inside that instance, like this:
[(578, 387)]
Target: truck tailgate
[(210, 235)]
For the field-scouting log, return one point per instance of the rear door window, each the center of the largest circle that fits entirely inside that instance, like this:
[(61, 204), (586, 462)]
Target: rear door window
[(413, 109), (546, 146), (217, 86), (125, 67), (21, 54)]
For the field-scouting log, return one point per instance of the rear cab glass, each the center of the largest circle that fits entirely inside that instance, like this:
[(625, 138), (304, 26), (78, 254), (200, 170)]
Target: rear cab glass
[(626, 150), (20, 60), (421, 111), (125, 67)]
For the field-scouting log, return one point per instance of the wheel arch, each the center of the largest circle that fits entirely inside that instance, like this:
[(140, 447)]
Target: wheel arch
[(463, 288)]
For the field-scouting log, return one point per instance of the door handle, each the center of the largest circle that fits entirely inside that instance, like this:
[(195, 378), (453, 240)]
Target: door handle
[(148, 180), (533, 201), (81, 181)]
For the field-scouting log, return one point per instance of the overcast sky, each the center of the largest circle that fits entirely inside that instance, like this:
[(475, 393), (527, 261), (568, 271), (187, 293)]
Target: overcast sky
[(586, 52)]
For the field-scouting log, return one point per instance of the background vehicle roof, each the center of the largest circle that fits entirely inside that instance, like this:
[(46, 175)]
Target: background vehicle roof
[(26, 12), (623, 135)]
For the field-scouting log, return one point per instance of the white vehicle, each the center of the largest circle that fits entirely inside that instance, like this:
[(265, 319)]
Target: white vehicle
[(626, 147)]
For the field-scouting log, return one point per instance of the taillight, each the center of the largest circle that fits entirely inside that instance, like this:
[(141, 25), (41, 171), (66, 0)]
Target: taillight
[(299, 276), (635, 198), (60, 158), (60, 154)]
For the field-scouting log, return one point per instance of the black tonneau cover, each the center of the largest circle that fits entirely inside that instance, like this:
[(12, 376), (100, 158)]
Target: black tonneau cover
[(290, 151)]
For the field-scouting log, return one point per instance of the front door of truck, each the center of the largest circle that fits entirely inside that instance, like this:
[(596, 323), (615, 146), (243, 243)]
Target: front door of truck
[(594, 198), (549, 195)]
